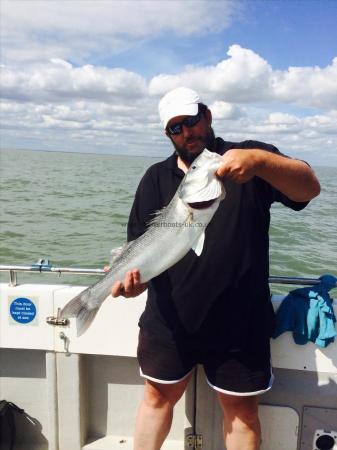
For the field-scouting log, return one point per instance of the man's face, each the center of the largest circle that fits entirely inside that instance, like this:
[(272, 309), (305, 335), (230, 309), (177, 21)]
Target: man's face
[(192, 140)]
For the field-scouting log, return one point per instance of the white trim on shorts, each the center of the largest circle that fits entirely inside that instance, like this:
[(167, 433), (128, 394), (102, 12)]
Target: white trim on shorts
[(216, 388), (246, 394), (164, 381)]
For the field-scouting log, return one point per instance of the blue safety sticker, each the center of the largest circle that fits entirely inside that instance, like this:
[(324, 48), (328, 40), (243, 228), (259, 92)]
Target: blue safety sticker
[(22, 310)]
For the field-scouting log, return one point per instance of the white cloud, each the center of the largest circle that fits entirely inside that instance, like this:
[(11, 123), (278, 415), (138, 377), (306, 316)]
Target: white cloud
[(32, 30), (58, 104), (60, 81), (245, 77), (313, 138), (132, 17), (307, 86), (283, 118), (225, 110)]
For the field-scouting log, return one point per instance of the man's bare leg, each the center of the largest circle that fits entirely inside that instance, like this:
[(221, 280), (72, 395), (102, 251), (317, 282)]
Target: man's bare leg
[(241, 429), (155, 413)]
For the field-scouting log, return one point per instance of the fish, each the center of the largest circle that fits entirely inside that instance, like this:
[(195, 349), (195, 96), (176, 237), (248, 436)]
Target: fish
[(171, 234)]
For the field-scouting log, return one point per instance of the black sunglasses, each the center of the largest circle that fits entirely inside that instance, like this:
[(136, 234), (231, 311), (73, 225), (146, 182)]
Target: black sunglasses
[(189, 122)]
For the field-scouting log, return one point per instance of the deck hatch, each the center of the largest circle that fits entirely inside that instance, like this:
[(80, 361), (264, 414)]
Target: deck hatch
[(317, 422)]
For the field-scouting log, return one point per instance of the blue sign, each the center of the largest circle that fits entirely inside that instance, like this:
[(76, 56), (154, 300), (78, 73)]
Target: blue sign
[(22, 310)]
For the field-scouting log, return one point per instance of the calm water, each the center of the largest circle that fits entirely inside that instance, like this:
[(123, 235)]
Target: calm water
[(73, 208)]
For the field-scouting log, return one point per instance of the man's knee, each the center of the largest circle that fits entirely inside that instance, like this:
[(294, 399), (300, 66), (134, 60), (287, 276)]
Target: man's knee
[(159, 395), (242, 408)]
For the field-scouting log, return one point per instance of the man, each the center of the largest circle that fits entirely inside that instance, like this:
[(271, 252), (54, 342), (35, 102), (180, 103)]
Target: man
[(213, 309)]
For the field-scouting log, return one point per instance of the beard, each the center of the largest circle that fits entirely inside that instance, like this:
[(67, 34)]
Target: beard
[(188, 157)]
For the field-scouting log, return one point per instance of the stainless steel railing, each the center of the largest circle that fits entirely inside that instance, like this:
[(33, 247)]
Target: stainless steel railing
[(44, 266)]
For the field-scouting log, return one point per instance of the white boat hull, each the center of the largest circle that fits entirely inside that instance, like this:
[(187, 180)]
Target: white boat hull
[(82, 393)]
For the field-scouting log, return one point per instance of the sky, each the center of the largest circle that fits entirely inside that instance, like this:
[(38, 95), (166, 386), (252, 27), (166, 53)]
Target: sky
[(86, 76)]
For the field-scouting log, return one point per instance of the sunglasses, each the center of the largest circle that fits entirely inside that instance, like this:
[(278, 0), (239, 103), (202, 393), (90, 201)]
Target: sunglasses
[(189, 122)]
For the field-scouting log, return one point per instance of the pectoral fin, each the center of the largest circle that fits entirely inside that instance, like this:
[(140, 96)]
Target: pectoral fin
[(115, 252), (199, 244)]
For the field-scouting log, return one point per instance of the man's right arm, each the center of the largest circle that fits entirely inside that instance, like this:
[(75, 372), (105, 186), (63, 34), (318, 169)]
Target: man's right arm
[(292, 177)]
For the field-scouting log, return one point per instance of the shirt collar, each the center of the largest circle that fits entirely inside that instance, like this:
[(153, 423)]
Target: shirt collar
[(171, 164)]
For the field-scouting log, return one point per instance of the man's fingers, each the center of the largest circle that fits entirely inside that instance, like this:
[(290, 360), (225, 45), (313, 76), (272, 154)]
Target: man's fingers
[(130, 287), (128, 283), (234, 173), (136, 277), (222, 171), (117, 289)]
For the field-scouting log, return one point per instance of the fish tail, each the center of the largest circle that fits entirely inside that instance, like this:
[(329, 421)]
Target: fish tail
[(74, 306), (84, 319), (84, 307), (78, 307)]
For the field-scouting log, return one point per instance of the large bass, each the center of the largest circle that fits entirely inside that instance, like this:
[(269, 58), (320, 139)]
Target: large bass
[(174, 230)]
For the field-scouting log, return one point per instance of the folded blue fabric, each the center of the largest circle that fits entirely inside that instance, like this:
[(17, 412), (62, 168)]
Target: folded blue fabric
[(309, 314)]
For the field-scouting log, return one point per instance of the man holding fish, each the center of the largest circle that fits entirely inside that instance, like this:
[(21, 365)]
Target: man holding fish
[(213, 306)]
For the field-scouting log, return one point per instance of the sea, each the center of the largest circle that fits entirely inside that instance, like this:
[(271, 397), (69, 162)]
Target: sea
[(72, 209)]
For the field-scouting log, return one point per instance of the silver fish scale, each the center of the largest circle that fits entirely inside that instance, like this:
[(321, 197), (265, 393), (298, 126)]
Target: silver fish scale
[(162, 230)]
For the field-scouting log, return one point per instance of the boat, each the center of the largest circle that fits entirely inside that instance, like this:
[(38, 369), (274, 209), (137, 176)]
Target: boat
[(82, 393)]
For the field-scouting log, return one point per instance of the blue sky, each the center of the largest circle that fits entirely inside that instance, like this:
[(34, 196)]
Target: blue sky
[(88, 75), (287, 33)]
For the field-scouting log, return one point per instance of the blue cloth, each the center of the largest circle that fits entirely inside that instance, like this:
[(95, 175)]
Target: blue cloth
[(309, 314)]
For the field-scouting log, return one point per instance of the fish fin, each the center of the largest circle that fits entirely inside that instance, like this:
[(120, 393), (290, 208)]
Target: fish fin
[(84, 319), (115, 252), (77, 307), (157, 216), (199, 244), (73, 307)]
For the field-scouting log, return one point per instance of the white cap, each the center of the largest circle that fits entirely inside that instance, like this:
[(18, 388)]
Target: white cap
[(181, 101)]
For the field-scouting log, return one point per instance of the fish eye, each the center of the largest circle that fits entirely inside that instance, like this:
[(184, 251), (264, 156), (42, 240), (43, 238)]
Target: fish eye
[(194, 167)]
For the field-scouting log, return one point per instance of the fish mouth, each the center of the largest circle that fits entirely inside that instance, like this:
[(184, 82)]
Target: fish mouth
[(202, 205)]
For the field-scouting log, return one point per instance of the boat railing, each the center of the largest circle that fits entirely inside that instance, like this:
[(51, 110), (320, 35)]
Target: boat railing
[(44, 266)]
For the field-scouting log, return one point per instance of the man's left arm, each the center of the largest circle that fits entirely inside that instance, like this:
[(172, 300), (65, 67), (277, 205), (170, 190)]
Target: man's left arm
[(292, 177)]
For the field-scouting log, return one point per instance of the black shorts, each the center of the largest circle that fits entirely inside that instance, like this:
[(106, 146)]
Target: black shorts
[(232, 372)]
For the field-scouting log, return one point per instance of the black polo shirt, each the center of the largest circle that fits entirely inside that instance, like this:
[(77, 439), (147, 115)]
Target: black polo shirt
[(223, 293)]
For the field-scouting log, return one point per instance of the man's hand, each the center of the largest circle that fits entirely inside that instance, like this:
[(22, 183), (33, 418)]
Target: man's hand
[(240, 165), (131, 286)]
